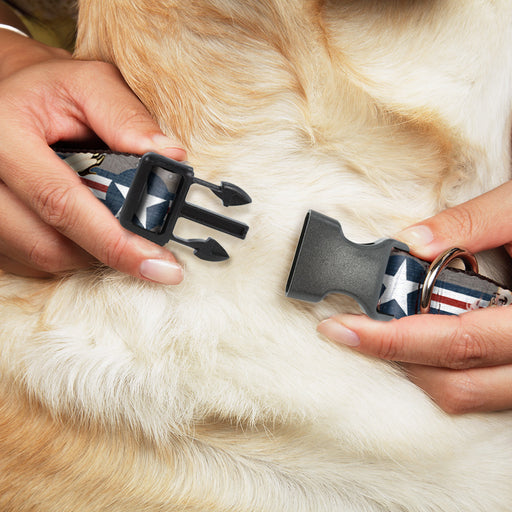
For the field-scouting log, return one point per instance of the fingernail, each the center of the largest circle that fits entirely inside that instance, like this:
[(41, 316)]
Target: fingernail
[(161, 271), (338, 333), (416, 237), (169, 146)]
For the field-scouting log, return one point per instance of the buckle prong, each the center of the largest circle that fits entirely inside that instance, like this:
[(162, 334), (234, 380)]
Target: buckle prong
[(208, 249)]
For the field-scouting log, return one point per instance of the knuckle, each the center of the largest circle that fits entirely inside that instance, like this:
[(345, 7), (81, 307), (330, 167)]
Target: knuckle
[(60, 53), (133, 117), (460, 220), (104, 67), (115, 250), (52, 202), (43, 257), (98, 68), (389, 345), (465, 348), (79, 84), (460, 394)]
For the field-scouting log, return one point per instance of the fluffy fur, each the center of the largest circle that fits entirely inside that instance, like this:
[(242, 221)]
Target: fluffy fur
[(217, 394)]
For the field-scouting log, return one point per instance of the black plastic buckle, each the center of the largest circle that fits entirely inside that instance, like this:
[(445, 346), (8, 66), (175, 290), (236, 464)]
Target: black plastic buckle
[(326, 262), (208, 249)]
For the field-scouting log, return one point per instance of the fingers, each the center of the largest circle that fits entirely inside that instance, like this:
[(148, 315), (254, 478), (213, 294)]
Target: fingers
[(116, 115), (14, 267), (66, 100), (479, 224), (459, 392), (59, 100), (463, 362), (28, 246), (59, 199), (475, 339)]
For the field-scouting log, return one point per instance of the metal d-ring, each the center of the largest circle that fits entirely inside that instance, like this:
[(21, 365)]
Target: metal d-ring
[(437, 266)]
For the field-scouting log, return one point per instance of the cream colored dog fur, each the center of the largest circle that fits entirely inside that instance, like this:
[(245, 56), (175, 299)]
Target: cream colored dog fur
[(217, 394)]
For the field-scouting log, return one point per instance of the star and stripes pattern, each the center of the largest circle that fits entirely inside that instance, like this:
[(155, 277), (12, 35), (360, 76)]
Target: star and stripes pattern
[(148, 195), (111, 186), (454, 292)]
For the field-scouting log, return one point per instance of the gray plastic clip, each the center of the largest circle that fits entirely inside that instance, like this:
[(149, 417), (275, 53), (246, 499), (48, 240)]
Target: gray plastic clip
[(326, 262)]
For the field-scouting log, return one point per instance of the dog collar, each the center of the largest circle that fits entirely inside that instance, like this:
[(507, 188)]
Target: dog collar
[(148, 195), (385, 279)]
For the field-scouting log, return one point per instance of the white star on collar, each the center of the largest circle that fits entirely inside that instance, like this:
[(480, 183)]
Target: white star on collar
[(149, 201), (124, 191), (398, 287)]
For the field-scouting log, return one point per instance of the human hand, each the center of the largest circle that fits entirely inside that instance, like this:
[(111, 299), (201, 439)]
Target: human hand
[(463, 362), (51, 222)]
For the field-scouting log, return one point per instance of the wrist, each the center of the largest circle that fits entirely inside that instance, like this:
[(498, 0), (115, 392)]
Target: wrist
[(18, 52), (12, 28)]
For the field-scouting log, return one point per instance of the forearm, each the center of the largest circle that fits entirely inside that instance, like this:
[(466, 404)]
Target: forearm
[(17, 51)]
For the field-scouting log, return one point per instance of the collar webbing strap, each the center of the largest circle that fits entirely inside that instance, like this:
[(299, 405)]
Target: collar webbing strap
[(384, 278), (148, 195), (455, 291)]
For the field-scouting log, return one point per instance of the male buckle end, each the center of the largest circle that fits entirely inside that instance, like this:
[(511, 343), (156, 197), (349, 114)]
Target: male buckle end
[(181, 177)]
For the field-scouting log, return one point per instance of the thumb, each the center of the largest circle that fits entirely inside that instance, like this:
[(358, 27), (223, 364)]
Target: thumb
[(476, 225), (120, 119)]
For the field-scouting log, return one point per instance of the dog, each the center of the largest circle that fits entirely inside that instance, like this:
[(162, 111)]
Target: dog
[(218, 394)]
